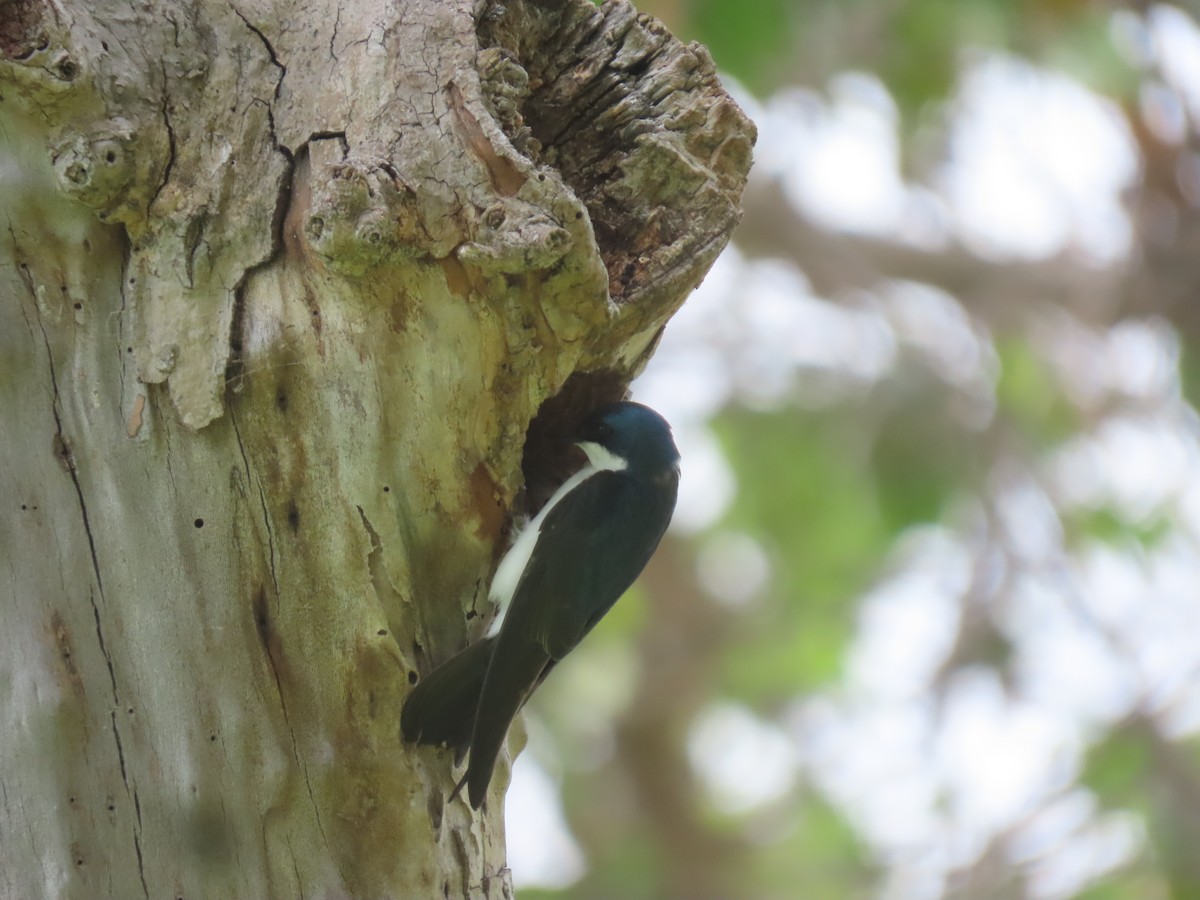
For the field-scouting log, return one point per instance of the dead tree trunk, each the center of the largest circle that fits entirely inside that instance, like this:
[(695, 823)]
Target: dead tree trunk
[(282, 289)]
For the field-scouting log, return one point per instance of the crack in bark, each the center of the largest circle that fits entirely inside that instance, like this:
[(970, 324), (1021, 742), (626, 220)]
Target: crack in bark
[(137, 848), (193, 239), (120, 750), (270, 50), (337, 23), (235, 368), (262, 499), (263, 624), (112, 675), (69, 462), (380, 582), (120, 314), (171, 149), (296, 868), (67, 457), (312, 797), (339, 136), (166, 433)]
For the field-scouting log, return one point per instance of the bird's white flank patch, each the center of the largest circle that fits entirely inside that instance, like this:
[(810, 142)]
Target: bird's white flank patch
[(509, 572)]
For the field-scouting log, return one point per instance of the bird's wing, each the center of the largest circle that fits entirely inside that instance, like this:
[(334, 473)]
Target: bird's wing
[(589, 549)]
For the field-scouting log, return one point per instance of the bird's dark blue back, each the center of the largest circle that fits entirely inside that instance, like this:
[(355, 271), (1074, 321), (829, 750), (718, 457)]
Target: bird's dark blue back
[(608, 532)]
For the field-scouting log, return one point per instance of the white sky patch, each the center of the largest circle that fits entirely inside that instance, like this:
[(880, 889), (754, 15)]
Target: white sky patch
[(1078, 678), (743, 762), (1162, 110), (1131, 38), (1105, 844), (732, 567), (1037, 164), (1180, 717), (1000, 756), (1163, 639), (873, 761), (921, 878), (1143, 464), (1143, 358), (958, 349), (1063, 662), (1031, 527), (1176, 42), (541, 851), (688, 378), (809, 357), (754, 333), (908, 624), (1134, 358), (934, 321), (785, 329), (1051, 825), (838, 160)]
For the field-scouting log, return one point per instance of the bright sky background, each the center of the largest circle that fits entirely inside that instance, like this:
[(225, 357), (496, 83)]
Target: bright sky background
[(1037, 164)]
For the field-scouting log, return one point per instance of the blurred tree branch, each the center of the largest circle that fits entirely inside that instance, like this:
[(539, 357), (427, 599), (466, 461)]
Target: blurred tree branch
[(1158, 279)]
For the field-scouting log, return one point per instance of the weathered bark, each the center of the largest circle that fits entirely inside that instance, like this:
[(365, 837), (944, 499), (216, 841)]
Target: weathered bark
[(281, 292)]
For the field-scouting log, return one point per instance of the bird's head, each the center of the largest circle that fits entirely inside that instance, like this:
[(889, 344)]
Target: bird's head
[(628, 436)]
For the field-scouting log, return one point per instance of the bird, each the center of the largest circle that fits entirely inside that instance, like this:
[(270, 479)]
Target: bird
[(562, 573)]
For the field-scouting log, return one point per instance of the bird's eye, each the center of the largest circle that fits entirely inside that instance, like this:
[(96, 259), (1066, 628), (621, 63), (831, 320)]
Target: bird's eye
[(603, 430)]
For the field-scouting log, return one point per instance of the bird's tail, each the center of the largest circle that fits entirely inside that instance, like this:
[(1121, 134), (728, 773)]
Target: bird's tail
[(441, 708), (519, 667)]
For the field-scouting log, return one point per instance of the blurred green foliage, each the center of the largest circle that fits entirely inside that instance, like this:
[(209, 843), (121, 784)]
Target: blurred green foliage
[(1116, 768), (750, 45), (813, 506), (1111, 526), (915, 47), (1027, 398)]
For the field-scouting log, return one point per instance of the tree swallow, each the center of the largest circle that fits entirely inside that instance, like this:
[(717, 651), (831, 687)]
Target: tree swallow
[(563, 572)]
